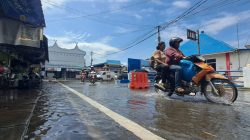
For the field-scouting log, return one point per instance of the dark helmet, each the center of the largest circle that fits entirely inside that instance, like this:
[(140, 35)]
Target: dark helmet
[(159, 44), (174, 40)]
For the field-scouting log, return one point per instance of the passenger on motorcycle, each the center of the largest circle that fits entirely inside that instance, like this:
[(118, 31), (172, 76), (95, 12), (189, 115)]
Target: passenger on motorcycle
[(160, 65), (92, 74), (92, 70), (173, 57)]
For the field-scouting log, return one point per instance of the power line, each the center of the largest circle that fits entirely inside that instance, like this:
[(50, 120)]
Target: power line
[(163, 26), (91, 16), (108, 11)]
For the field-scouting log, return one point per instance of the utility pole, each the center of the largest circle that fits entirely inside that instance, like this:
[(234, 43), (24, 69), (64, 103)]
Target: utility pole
[(238, 50), (198, 42), (91, 60), (159, 35)]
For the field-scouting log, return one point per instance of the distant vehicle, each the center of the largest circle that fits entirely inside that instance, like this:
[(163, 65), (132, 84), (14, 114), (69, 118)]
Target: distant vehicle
[(106, 76)]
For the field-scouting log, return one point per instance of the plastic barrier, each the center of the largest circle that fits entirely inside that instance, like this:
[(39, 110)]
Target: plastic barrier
[(139, 80)]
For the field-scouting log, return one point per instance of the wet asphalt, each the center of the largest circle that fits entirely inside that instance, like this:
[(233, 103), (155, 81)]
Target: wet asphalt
[(60, 114)]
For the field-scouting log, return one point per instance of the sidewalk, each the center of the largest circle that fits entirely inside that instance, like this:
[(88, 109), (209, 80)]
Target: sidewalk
[(16, 108)]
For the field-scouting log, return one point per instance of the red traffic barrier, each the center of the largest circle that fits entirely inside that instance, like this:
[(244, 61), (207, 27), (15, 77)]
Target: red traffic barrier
[(139, 80)]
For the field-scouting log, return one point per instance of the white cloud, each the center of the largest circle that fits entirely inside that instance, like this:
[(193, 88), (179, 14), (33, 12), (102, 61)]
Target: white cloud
[(106, 39), (122, 30), (137, 16), (147, 10), (214, 26), (158, 2), (49, 4), (181, 4), (179, 30), (118, 1)]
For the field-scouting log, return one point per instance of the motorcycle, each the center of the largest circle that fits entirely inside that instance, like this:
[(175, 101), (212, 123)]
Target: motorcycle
[(93, 78), (214, 86), (83, 76)]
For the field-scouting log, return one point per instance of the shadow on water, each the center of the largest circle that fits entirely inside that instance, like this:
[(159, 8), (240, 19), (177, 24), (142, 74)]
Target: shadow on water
[(15, 109)]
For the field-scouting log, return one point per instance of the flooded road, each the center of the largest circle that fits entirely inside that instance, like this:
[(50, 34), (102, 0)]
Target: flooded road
[(60, 114)]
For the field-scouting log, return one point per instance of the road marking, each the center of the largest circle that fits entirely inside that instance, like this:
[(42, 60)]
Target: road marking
[(135, 128)]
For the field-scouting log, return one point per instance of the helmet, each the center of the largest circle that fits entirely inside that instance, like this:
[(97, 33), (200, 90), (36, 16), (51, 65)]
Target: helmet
[(159, 44), (174, 40), (91, 67)]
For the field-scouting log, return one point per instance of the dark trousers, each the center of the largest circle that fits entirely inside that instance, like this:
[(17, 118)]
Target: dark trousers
[(178, 74), (163, 69)]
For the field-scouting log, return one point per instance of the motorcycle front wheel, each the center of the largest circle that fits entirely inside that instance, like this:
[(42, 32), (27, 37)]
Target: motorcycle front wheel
[(226, 92)]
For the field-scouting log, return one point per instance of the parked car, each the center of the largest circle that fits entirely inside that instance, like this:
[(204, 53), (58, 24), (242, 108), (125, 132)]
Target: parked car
[(106, 75)]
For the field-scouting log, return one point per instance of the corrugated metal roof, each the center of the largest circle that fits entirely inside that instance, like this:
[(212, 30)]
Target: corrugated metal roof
[(208, 45), (28, 11), (108, 62), (113, 62)]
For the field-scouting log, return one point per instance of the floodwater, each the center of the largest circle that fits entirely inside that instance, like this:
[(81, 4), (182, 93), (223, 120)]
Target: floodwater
[(61, 114)]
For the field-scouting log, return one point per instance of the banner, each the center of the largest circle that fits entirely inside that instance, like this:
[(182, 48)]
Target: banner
[(27, 11), (16, 33)]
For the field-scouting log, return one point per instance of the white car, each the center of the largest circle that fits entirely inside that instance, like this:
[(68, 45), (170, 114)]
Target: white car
[(106, 75)]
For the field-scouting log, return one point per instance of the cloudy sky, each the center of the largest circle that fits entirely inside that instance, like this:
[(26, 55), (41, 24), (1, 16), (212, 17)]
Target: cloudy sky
[(107, 26)]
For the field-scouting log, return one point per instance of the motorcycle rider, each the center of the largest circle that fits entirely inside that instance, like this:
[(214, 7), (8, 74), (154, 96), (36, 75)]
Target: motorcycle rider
[(173, 57), (160, 65), (92, 72)]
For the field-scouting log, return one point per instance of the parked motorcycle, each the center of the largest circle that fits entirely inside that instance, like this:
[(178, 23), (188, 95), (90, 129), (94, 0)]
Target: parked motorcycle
[(215, 87)]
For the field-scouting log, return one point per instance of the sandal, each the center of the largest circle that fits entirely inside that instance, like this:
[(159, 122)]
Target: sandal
[(179, 90)]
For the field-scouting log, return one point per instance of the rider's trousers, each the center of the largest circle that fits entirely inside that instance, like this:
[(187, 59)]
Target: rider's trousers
[(178, 76), (163, 69)]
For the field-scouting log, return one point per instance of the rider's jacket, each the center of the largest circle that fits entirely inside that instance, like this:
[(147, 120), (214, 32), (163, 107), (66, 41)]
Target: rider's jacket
[(173, 56)]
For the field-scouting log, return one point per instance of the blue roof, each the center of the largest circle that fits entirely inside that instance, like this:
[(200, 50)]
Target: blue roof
[(108, 62), (208, 45), (113, 62)]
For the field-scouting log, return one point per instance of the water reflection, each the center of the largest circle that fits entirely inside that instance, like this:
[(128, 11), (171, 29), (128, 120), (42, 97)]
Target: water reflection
[(198, 120)]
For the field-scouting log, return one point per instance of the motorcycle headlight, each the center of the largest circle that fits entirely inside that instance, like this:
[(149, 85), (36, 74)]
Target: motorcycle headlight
[(201, 58)]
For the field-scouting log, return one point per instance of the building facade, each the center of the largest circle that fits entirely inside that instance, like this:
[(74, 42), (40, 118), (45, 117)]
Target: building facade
[(231, 61), (110, 65), (219, 54), (65, 63)]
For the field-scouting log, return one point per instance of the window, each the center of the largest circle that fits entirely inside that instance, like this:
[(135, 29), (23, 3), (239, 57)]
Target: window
[(211, 62)]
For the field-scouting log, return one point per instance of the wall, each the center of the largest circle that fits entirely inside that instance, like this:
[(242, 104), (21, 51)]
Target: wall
[(67, 58), (220, 61), (234, 61)]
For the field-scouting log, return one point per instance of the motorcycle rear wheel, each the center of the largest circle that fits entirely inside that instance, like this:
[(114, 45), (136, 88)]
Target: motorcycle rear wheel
[(227, 92)]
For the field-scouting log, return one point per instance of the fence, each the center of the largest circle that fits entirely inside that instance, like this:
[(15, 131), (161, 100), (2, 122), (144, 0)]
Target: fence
[(235, 76)]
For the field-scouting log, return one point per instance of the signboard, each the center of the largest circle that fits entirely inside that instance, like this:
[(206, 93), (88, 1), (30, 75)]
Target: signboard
[(191, 35), (27, 11), (16, 33)]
